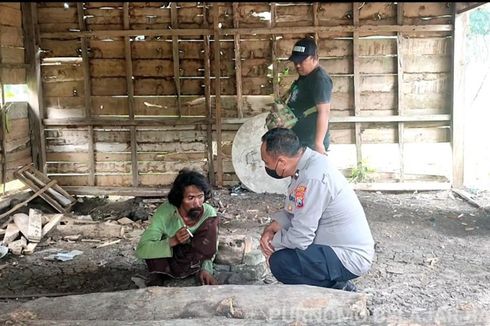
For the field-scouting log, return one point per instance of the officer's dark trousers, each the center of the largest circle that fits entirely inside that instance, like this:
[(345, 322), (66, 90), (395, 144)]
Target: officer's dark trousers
[(317, 265)]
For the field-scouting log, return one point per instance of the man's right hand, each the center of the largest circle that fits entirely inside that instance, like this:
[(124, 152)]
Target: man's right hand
[(266, 243), (180, 237)]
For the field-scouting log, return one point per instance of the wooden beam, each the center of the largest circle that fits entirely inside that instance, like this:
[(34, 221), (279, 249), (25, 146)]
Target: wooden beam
[(458, 102), (238, 63), (217, 92), (130, 86), (357, 81), (331, 30), (315, 20), (99, 121), (15, 65), (467, 6), (468, 197), (400, 104), (120, 191), (372, 119), (33, 80), (275, 66), (88, 97), (402, 186), (175, 56), (207, 96), (129, 63)]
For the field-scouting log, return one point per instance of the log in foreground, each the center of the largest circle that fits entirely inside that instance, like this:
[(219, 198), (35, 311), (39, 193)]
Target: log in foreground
[(300, 303)]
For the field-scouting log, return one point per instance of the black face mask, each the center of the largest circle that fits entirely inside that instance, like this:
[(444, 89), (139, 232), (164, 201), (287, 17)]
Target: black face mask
[(273, 173)]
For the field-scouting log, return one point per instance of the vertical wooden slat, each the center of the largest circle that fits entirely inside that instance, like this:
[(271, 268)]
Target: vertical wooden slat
[(88, 97), (357, 83), (275, 72), (175, 49), (207, 95), (238, 63), (315, 20), (460, 23), (3, 133), (130, 86), (399, 54), (33, 80), (217, 90)]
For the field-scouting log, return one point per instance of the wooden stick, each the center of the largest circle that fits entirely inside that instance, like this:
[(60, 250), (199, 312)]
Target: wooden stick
[(357, 82), (130, 86), (24, 203), (175, 55), (399, 56), (207, 95), (466, 196), (217, 92), (238, 63)]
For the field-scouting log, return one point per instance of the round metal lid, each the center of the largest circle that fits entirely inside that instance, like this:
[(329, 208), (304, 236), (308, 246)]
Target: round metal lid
[(248, 165)]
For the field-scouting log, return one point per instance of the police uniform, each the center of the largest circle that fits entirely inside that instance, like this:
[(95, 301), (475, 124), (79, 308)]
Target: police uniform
[(325, 236)]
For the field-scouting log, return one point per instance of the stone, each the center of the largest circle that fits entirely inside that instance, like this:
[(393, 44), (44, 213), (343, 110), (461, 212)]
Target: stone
[(253, 258), (233, 248)]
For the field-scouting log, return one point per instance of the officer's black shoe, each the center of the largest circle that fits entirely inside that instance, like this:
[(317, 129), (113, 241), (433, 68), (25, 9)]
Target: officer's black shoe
[(345, 286)]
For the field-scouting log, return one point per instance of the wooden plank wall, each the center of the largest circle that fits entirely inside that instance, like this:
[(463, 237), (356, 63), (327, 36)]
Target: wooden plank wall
[(394, 88), (15, 146)]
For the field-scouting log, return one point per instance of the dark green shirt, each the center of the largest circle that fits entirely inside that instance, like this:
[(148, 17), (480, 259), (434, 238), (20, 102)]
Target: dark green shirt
[(306, 92)]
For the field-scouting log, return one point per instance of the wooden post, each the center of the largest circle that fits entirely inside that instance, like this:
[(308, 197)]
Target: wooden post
[(88, 97), (175, 48), (3, 132), (275, 65), (460, 26), (207, 95), (130, 86), (238, 63), (357, 82), (217, 91), (399, 56), (315, 20), (33, 80)]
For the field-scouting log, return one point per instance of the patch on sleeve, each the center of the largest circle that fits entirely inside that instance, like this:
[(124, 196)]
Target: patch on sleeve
[(300, 196)]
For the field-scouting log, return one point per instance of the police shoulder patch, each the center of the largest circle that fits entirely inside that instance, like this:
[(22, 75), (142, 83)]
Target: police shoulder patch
[(300, 196)]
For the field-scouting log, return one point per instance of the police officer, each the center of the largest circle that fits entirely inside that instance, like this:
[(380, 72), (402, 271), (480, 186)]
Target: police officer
[(321, 237)]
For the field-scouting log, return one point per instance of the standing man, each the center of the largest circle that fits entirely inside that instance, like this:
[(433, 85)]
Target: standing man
[(321, 237), (182, 238), (310, 96)]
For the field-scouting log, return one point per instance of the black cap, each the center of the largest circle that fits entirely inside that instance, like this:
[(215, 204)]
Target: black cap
[(303, 49)]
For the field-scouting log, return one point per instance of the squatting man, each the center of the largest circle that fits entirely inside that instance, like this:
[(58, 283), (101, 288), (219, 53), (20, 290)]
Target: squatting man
[(182, 238), (321, 237)]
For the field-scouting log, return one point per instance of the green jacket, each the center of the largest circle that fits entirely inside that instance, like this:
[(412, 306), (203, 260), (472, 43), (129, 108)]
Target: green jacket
[(166, 221)]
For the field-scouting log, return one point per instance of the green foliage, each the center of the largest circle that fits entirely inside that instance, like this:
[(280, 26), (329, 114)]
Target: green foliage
[(480, 22), (361, 173)]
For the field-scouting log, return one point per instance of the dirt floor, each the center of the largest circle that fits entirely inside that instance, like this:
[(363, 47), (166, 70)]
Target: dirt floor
[(432, 253)]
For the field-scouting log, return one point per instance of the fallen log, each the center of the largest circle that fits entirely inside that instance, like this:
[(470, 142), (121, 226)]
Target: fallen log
[(299, 303)]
